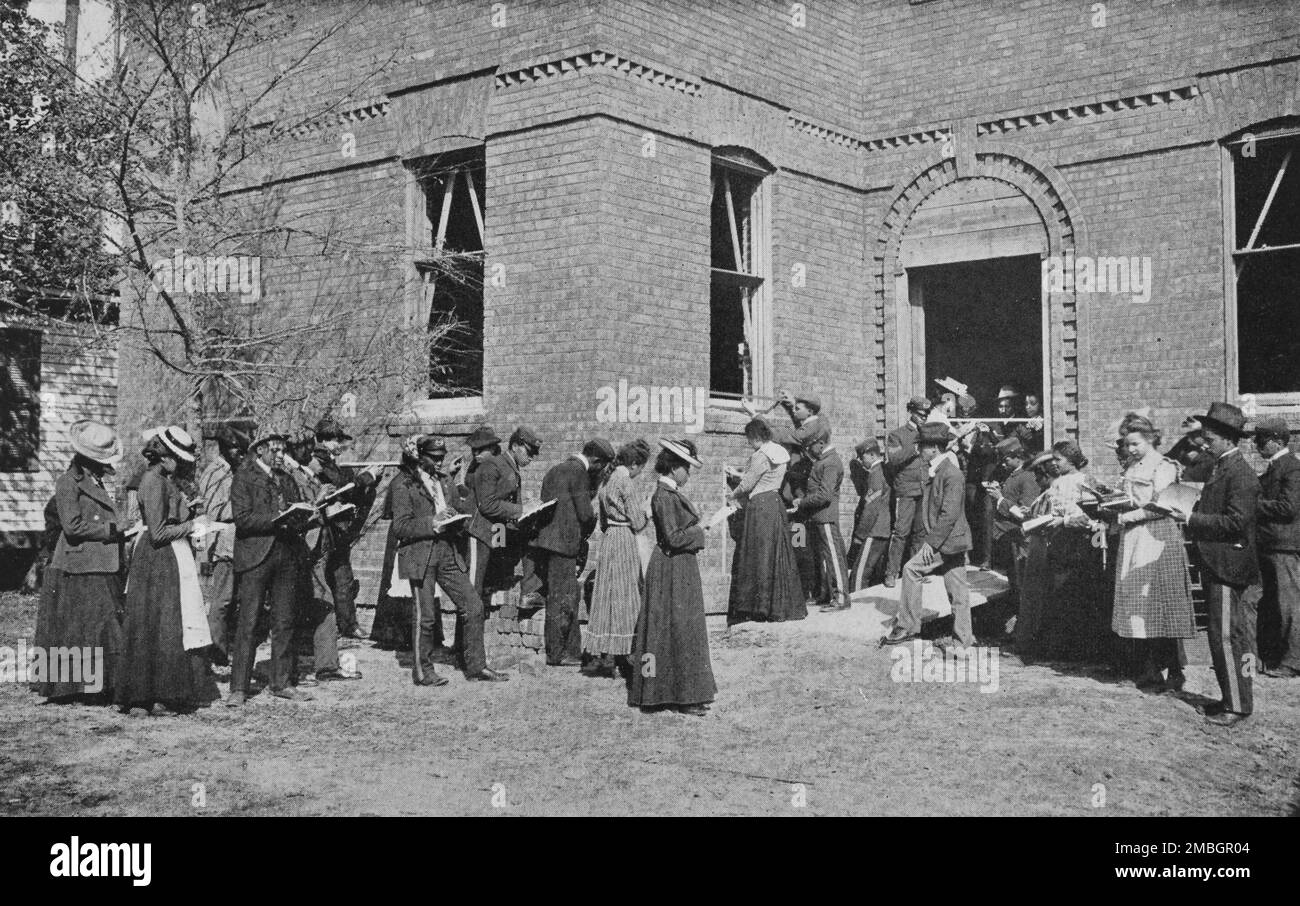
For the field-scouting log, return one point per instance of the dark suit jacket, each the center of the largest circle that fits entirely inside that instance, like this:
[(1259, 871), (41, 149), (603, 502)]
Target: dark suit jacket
[(821, 501), (1020, 489), (90, 541), (414, 509), (946, 529), (567, 524), (255, 499), (1223, 525), (495, 486), (1278, 516), (905, 469), (345, 530), (871, 519)]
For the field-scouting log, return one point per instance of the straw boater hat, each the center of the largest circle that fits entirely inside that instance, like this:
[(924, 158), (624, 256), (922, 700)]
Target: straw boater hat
[(1008, 392), (178, 441), (95, 441), (683, 450), (1225, 419), (1044, 457)]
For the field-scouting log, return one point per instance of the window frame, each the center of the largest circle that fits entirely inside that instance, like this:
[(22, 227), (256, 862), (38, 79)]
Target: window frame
[(758, 278), (1232, 255)]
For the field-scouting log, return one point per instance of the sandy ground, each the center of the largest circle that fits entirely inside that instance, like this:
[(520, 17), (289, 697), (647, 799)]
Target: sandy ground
[(807, 722)]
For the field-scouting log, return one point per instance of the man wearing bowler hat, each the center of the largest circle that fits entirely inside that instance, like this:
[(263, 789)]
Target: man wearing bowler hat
[(945, 542), (270, 556), (1278, 519), (906, 473), (1223, 528)]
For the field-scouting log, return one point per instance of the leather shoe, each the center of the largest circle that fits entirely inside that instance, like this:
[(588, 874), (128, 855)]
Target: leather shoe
[(1281, 672), (891, 581), (329, 676), (694, 710), (289, 693), (836, 608), (1213, 708), (487, 675), (565, 662), (1226, 718), (897, 637), (432, 679), (236, 699)]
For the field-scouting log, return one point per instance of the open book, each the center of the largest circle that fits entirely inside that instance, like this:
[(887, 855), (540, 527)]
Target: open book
[(339, 510), (1177, 498), (723, 513), (443, 522), (532, 509), (295, 514), (337, 494), (1036, 523)]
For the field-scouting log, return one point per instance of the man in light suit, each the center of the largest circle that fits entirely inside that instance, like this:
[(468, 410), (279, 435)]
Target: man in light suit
[(946, 541), (1223, 527)]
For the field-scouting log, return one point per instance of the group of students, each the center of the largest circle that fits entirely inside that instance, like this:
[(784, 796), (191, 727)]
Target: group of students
[(273, 526), (1096, 569)]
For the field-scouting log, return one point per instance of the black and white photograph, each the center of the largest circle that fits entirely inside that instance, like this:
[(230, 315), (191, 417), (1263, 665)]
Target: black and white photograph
[(637, 408)]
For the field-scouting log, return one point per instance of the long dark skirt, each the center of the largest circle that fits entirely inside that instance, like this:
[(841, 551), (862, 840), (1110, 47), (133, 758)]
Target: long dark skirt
[(670, 652), (764, 573), (80, 610), (392, 627), (155, 665), (1064, 611)]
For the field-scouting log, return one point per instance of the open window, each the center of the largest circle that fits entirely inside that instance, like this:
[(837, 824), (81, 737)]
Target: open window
[(1263, 182), (739, 316), (449, 263), (20, 399)]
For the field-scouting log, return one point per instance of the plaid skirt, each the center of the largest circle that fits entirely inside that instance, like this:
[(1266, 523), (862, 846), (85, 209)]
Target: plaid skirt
[(1153, 593)]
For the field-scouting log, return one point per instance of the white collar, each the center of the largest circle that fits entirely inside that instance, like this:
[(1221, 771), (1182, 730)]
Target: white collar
[(1279, 454), (586, 463), (1230, 452), (263, 466), (939, 460), (775, 452), (667, 481)]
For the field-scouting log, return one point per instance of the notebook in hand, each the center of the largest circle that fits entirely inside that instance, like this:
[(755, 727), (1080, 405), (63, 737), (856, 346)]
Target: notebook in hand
[(533, 509), (296, 513)]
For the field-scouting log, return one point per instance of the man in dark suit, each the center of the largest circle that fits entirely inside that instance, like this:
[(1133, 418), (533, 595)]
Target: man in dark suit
[(820, 505), (563, 529), (432, 552), (269, 557), (906, 473), (1011, 506), (1223, 527), (871, 519), (1278, 519), (494, 483), (946, 541), (342, 532)]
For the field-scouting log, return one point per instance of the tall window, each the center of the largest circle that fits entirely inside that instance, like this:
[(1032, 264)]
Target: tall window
[(20, 399), (738, 355), (449, 261), (1265, 231)]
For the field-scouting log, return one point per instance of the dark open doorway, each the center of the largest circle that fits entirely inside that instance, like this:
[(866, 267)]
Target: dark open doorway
[(983, 325)]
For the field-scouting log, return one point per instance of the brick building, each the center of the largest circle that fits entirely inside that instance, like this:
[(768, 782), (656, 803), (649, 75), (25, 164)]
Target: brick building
[(850, 198)]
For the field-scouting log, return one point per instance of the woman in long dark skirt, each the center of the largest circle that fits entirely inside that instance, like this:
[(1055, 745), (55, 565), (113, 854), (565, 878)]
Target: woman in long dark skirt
[(764, 572), (82, 591), (670, 651), (165, 632)]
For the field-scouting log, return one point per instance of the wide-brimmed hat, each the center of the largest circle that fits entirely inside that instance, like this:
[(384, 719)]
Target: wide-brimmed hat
[(329, 428), (1272, 426), (96, 441), (1008, 392), (952, 384), (934, 433), (1226, 419), (683, 450), (1009, 446), (482, 436), (179, 442)]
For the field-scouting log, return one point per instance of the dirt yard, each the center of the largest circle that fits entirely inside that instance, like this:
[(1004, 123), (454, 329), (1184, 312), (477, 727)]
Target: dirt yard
[(807, 722)]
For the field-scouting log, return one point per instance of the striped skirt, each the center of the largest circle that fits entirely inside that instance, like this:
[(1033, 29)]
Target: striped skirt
[(616, 598)]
